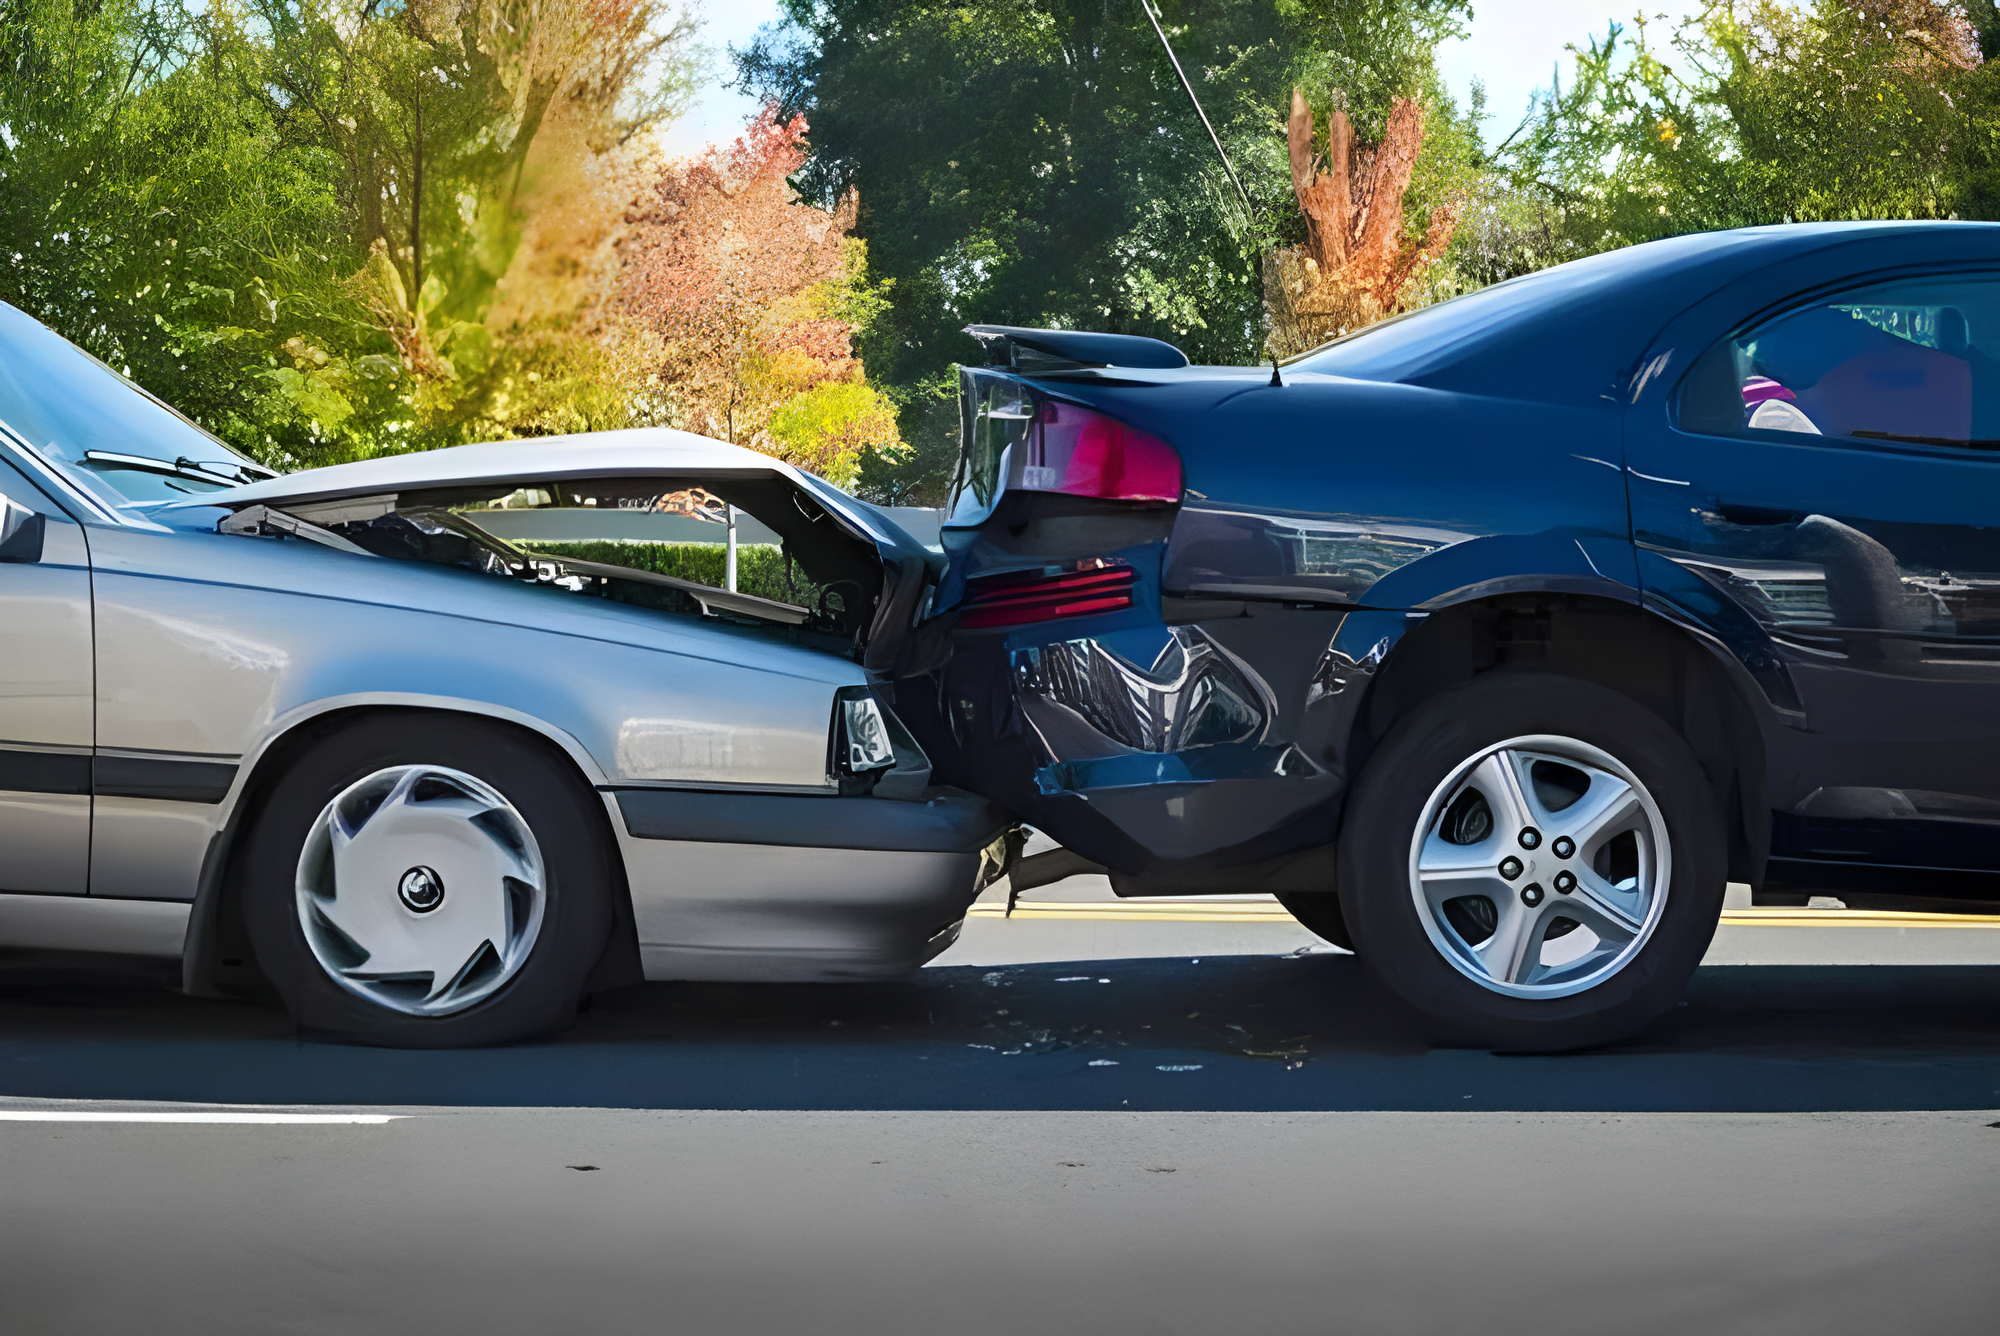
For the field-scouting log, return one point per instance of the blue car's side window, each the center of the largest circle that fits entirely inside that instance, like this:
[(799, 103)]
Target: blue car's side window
[(1913, 362)]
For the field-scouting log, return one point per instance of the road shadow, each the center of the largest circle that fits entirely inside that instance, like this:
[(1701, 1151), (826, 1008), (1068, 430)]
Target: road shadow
[(1228, 1033)]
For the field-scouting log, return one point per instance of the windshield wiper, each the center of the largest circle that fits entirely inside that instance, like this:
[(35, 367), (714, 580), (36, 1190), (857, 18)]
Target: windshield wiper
[(235, 472)]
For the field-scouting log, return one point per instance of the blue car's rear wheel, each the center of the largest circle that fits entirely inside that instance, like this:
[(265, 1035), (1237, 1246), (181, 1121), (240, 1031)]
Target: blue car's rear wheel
[(1319, 912), (424, 880), (1535, 862)]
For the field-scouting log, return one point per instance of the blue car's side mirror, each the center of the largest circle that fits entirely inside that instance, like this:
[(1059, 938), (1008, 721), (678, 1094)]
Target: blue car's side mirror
[(20, 532)]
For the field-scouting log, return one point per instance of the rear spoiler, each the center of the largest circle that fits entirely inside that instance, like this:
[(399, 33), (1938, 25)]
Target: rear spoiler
[(1072, 350)]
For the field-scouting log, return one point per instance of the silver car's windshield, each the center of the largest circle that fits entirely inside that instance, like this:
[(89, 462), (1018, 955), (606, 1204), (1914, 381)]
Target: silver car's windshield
[(115, 439)]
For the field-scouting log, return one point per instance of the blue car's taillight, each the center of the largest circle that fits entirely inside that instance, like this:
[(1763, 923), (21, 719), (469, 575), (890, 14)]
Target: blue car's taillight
[(1084, 453), (1020, 597)]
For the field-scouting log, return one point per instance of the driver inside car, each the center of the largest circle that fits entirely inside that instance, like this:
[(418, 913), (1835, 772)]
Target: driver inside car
[(1826, 370), (1772, 407)]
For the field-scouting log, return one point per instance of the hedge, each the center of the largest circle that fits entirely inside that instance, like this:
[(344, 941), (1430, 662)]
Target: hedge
[(760, 567)]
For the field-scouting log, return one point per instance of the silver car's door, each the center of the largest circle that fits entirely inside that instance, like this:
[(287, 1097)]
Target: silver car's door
[(46, 694)]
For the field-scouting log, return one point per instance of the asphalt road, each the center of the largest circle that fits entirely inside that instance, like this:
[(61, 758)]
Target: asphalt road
[(1231, 1033), (1246, 1144), (486, 1221)]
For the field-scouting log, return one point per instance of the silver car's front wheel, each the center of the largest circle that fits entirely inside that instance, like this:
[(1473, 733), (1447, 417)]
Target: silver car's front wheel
[(1540, 866), (429, 880), (421, 889)]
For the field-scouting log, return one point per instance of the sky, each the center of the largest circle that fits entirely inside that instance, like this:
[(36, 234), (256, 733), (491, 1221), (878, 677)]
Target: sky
[(1513, 45), (719, 115)]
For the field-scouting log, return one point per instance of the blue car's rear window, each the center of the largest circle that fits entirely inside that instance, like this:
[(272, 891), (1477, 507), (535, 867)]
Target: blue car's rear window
[(1402, 345)]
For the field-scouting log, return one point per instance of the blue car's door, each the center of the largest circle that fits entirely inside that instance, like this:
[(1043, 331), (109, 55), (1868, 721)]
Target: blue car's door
[(45, 694), (1820, 488)]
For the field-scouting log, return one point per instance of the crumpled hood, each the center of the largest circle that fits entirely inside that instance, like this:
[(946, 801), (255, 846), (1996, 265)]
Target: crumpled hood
[(593, 454), (637, 452)]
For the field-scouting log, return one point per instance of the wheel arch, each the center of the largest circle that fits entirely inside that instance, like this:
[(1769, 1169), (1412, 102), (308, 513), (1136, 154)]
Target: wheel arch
[(216, 958), (1695, 686)]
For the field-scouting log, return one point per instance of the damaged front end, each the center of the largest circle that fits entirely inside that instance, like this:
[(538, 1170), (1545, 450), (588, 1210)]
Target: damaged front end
[(678, 526), (835, 575)]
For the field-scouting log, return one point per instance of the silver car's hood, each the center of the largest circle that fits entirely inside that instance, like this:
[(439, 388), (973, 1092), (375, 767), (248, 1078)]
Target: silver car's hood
[(595, 454)]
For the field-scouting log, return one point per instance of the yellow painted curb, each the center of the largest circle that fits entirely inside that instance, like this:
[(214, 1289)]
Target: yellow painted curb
[(1239, 911), (1852, 918)]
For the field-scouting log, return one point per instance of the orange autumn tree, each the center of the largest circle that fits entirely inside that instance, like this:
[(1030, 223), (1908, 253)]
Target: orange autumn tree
[(755, 301), (1357, 260)]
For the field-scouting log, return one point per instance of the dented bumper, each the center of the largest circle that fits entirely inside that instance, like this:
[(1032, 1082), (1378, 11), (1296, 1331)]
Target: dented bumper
[(784, 888), (1156, 750)]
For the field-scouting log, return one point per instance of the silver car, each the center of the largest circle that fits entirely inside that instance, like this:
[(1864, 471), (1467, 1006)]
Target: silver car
[(337, 733)]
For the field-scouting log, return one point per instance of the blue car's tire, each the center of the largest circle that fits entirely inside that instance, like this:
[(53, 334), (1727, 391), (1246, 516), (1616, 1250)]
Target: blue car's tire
[(1319, 912), (1534, 862), (420, 880)]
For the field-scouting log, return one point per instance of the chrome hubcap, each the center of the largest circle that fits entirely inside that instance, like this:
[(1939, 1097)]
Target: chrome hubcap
[(421, 890), (1540, 867), (372, 889)]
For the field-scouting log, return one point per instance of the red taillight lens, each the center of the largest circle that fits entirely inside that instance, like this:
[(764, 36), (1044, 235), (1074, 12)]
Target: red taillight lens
[(1021, 597), (1085, 453)]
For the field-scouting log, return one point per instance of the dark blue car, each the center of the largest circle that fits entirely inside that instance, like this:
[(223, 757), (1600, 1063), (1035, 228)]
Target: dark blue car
[(1495, 638)]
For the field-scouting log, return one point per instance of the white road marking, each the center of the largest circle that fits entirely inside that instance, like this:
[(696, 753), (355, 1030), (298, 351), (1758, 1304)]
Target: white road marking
[(150, 1116)]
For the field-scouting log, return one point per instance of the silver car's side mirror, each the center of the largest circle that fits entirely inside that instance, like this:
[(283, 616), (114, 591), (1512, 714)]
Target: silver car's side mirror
[(20, 532)]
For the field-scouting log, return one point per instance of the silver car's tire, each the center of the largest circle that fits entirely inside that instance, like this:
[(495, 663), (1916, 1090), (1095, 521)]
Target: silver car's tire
[(424, 880), (421, 889), (1535, 862)]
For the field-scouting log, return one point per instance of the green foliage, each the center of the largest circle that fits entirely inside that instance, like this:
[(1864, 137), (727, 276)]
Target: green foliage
[(920, 474), (329, 229), (1036, 162), (830, 426), (760, 567), (154, 213), (1840, 109), (1374, 51), (333, 228)]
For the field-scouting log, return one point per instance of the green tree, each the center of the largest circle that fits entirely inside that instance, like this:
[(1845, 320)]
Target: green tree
[(152, 212), (1769, 113), (329, 228), (484, 162), (1036, 162)]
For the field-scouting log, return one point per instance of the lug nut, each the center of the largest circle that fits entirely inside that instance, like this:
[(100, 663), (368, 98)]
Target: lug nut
[(1565, 881), (1564, 847), (1531, 895), (1530, 837), (1510, 867)]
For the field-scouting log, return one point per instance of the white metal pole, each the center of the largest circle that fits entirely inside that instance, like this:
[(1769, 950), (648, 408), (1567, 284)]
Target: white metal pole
[(729, 553)]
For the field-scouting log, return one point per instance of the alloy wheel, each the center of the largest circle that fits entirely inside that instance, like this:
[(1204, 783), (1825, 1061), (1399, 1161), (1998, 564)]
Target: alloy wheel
[(1540, 867)]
